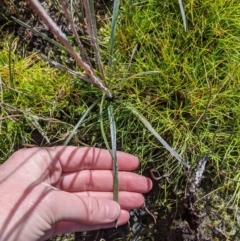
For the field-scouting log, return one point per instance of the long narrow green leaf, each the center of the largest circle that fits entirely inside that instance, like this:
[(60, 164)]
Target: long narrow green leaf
[(183, 15), (113, 30), (152, 130), (144, 73), (132, 55), (11, 63), (70, 71), (92, 31), (114, 152), (102, 126), (80, 122), (69, 17), (33, 120), (203, 115)]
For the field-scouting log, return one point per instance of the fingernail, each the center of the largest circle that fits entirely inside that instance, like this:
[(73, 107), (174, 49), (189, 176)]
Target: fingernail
[(112, 210)]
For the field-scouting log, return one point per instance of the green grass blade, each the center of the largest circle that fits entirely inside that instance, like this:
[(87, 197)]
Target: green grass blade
[(33, 120), (150, 72), (204, 114), (11, 63), (183, 15), (114, 152), (113, 30), (70, 71), (159, 138), (137, 75), (102, 125), (80, 122), (92, 31), (69, 17), (132, 55)]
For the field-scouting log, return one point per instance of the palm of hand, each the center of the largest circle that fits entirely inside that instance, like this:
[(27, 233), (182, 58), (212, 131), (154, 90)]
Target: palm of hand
[(49, 191)]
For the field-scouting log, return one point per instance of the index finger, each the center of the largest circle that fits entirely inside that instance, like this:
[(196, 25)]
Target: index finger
[(74, 158)]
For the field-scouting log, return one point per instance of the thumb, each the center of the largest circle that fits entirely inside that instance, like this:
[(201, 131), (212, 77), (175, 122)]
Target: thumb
[(66, 206)]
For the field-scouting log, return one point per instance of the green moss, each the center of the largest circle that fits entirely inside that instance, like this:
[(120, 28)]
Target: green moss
[(40, 99)]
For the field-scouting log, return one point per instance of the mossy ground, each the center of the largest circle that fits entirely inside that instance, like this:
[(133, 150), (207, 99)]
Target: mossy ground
[(187, 84)]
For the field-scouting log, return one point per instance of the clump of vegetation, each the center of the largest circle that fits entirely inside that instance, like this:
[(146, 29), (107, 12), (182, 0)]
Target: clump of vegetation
[(186, 84)]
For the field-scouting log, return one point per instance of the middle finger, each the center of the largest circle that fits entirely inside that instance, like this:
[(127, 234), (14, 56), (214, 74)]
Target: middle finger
[(102, 180)]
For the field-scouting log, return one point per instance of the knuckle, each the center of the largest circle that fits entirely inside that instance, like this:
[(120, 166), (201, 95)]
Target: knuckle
[(88, 177), (93, 209)]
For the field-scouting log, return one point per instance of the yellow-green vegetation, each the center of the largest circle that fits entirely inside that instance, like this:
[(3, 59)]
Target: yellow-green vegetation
[(39, 98), (194, 98), (187, 84)]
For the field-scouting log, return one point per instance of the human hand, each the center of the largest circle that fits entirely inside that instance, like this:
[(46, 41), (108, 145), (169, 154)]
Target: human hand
[(56, 190)]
